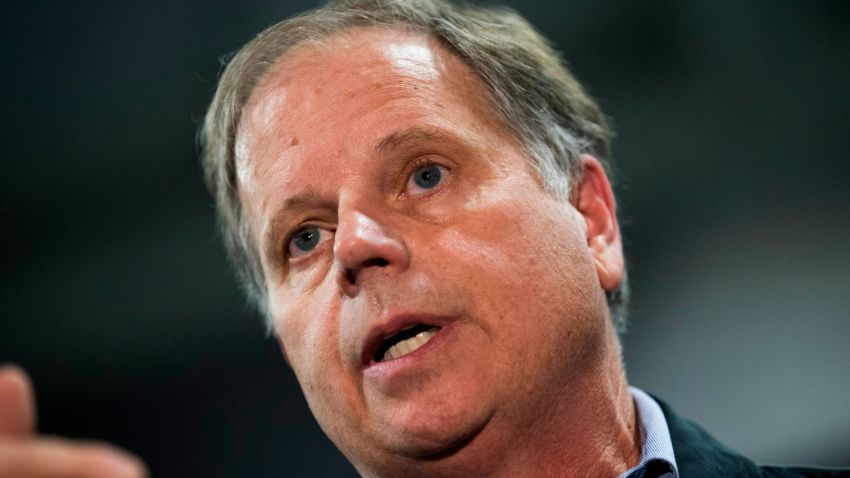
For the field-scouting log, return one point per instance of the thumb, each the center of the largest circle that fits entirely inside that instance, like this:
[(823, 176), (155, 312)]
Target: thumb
[(17, 403)]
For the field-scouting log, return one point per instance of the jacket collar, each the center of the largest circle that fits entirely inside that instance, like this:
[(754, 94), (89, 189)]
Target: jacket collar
[(698, 454)]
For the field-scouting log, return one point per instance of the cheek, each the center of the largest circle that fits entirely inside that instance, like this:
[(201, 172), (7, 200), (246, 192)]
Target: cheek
[(308, 325), (505, 253), (518, 239), (305, 322)]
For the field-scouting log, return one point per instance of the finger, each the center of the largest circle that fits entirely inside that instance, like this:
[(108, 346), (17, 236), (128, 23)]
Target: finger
[(58, 458), (17, 403)]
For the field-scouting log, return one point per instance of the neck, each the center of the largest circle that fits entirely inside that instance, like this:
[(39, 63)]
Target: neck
[(593, 432)]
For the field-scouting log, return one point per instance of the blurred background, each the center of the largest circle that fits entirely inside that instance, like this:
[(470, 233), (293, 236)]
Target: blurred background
[(733, 162)]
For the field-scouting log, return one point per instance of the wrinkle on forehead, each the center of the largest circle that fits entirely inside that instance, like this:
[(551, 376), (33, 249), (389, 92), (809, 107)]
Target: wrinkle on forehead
[(397, 68), (410, 54)]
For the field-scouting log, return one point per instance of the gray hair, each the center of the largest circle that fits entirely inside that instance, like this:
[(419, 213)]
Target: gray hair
[(537, 99)]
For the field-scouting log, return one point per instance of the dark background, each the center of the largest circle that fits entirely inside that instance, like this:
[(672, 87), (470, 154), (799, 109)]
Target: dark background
[(733, 150)]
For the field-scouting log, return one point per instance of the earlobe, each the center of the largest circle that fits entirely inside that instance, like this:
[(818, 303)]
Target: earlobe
[(594, 200)]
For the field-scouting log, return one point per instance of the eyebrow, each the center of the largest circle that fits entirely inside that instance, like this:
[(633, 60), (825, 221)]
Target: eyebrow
[(411, 137), (283, 214)]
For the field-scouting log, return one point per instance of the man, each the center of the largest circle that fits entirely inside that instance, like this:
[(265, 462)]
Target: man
[(415, 195)]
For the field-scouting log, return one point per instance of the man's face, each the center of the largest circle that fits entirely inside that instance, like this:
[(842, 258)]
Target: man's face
[(388, 202)]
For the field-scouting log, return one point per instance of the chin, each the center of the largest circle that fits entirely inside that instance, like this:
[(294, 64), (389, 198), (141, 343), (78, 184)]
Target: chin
[(450, 449), (432, 431)]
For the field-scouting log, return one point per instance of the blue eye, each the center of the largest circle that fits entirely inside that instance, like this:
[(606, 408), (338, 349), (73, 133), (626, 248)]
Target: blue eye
[(428, 177), (306, 239)]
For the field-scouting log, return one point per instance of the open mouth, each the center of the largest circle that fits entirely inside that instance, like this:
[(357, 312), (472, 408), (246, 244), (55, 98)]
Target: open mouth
[(405, 341)]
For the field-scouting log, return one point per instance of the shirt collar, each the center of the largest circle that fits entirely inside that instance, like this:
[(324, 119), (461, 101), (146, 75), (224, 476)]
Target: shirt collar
[(657, 458)]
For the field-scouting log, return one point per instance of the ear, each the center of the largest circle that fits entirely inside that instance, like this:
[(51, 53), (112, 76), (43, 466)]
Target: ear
[(594, 200)]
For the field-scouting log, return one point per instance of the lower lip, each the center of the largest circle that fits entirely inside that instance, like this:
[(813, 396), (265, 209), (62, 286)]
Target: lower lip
[(386, 369)]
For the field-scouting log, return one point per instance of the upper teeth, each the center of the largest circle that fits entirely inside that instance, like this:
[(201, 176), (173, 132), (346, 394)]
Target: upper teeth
[(409, 345)]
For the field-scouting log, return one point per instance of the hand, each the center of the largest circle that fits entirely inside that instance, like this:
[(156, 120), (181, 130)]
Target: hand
[(25, 455)]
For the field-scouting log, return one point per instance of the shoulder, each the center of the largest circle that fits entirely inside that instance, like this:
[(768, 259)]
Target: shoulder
[(698, 454)]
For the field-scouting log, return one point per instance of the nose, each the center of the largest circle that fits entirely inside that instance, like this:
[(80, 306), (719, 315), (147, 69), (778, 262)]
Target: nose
[(363, 245)]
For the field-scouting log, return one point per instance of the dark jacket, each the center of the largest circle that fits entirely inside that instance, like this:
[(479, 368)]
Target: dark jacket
[(699, 455)]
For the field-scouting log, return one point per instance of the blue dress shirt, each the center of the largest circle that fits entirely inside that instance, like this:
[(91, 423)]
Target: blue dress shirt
[(657, 459)]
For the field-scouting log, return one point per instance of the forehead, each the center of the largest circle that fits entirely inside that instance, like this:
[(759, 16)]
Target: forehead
[(339, 80)]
